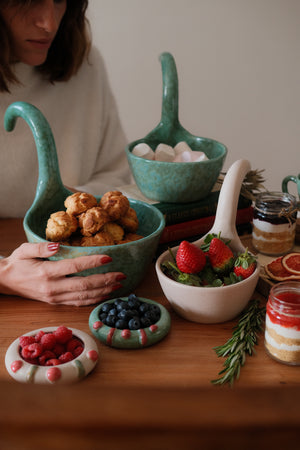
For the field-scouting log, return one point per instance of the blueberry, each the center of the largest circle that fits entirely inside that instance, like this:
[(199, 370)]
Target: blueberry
[(145, 322), (110, 321), (118, 301), (122, 305), (112, 312), (102, 317), (107, 307), (132, 297), (144, 307), (121, 324), (134, 303), (134, 323)]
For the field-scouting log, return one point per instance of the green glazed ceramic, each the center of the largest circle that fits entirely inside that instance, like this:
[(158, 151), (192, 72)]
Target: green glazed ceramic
[(132, 258), (130, 339), (168, 181)]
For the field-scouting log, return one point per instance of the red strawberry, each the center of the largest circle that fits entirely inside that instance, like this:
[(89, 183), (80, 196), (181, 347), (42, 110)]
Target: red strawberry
[(220, 256), (245, 265), (190, 258)]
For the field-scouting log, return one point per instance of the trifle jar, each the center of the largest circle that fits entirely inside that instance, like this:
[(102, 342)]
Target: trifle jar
[(282, 331), (274, 223)]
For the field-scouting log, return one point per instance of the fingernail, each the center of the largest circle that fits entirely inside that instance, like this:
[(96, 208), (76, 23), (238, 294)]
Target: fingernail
[(53, 246), (105, 297), (116, 286), (120, 277), (106, 259)]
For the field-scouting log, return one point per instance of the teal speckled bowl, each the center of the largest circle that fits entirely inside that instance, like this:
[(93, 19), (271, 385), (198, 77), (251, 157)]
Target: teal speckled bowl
[(132, 258), (168, 181)]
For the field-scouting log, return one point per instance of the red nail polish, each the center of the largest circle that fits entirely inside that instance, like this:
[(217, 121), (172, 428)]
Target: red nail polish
[(121, 277), (53, 246), (116, 286), (106, 259)]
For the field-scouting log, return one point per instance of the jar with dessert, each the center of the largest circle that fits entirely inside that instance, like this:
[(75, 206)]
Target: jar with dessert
[(282, 331), (274, 223)]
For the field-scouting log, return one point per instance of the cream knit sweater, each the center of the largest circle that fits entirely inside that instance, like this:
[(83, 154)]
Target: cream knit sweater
[(89, 139)]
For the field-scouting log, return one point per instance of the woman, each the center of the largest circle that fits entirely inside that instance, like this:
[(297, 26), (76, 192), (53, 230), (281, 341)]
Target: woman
[(46, 59)]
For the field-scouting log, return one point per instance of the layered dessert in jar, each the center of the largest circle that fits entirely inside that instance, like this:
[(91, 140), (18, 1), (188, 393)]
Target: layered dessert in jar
[(282, 332), (274, 223)]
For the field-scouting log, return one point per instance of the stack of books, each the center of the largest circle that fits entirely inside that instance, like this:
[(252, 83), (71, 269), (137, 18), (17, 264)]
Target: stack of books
[(192, 220)]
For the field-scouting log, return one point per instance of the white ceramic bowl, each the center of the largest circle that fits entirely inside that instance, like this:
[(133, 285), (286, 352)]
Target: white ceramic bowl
[(214, 304)]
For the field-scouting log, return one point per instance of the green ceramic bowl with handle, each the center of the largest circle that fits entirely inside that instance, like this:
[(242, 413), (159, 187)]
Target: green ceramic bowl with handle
[(132, 258), (175, 181)]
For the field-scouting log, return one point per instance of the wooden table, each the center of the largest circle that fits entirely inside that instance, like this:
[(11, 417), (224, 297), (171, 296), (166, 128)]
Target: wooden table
[(154, 398)]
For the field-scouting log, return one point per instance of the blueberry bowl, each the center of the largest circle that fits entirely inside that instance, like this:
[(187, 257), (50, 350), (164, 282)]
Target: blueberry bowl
[(132, 258), (129, 322), (174, 182)]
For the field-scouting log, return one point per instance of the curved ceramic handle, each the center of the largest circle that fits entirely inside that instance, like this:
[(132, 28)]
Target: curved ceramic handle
[(169, 114), (225, 221), (49, 175)]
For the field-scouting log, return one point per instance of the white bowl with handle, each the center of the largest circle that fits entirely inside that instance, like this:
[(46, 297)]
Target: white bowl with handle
[(214, 304)]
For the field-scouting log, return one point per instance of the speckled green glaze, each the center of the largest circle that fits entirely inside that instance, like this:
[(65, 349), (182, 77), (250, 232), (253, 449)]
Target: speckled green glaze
[(132, 258), (168, 181), (113, 336)]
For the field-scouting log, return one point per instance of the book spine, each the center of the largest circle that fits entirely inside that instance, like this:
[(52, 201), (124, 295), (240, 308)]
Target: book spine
[(200, 226), (183, 212)]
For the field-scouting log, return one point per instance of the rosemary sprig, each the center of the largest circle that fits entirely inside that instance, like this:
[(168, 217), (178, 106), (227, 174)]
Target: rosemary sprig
[(242, 342)]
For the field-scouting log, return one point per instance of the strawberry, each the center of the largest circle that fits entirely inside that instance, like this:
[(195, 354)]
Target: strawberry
[(220, 256), (245, 265), (190, 258)]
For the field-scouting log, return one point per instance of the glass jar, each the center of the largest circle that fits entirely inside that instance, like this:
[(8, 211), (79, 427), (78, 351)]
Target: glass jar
[(282, 331), (274, 223)]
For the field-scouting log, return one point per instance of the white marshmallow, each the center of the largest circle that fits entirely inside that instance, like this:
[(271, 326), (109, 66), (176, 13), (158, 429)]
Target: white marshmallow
[(164, 152), (190, 156), (143, 151), (182, 147)]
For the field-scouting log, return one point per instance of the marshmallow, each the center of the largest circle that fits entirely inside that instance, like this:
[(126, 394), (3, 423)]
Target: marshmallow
[(143, 151), (182, 147), (190, 156), (164, 152)]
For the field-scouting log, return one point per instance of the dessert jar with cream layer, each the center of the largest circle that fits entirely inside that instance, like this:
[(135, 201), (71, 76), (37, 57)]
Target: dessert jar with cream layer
[(274, 223), (282, 331)]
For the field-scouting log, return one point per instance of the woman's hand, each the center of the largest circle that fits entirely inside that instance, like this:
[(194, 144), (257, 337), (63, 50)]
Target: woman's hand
[(26, 273)]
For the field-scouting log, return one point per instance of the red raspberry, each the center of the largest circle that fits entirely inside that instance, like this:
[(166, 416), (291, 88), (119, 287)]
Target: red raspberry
[(58, 349), (66, 357), (73, 343), (77, 351), (53, 362), (63, 334), (32, 351), (47, 354), (48, 341), (26, 340), (39, 335)]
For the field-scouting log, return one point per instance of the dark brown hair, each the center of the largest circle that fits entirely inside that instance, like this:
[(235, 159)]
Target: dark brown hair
[(67, 52)]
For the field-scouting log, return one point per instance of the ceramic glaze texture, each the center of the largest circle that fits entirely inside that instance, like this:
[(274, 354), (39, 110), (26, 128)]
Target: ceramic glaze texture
[(132, 258), (169, 181)]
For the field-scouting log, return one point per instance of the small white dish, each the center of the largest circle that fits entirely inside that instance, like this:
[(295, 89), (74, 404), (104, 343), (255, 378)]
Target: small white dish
[(68, 372)]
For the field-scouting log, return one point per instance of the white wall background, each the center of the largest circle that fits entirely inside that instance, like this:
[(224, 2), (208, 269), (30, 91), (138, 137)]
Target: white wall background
[(238, 64)]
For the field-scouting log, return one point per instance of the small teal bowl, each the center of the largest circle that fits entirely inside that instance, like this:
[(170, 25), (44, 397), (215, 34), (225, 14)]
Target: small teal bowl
[(132, 258), (175, 182)]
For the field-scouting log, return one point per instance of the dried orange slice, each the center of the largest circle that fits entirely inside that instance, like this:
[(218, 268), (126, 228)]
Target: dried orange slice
[(291, 262), (276, 271)]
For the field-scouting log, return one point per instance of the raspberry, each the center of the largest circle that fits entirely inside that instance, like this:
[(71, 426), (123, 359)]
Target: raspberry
[(77, 351), (32, 351), (63, 334), (66, 357), (48, 341), (73, 343), (47, 354), (58, 349), (26, 340), (39, 335), (52, 362)]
